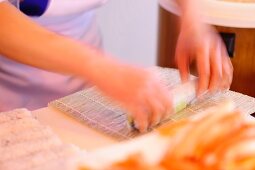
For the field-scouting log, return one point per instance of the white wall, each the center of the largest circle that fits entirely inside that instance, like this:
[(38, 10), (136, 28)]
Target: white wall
[(129, 29)]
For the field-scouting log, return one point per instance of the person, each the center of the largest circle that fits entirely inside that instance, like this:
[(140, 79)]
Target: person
[(51, 48)]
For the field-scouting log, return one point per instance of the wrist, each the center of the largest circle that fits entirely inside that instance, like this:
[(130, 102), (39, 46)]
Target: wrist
[(191, 20), (189, 11)]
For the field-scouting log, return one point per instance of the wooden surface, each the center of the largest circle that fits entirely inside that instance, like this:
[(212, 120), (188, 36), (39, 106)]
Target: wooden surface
[(243, 60), (71, 130), (168, 30)]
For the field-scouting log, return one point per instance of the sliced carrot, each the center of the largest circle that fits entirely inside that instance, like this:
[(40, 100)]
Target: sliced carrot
[(220, 131), (171, 163), (172, 128)]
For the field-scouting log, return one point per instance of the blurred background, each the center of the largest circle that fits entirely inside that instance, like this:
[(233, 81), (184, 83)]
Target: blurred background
[(142, 33), (129, 29)]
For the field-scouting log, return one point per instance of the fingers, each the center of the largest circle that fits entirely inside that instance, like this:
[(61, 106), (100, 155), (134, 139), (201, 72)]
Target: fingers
[(154, 105), (203, 68), (141, 117), (213, 64), (216, 66), (182, 60), (221, 68), (227, 70), (161, 105), (157, 111)]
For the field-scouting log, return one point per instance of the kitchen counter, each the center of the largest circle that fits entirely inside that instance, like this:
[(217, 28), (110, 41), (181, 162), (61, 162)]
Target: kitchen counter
[(74, 132)]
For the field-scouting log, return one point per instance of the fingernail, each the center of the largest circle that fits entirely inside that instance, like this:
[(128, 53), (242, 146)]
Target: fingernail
[(143, 130), (140, 127)]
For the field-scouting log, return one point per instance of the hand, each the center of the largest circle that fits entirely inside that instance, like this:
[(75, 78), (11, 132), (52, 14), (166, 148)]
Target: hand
[(139, 92), (200, 42)]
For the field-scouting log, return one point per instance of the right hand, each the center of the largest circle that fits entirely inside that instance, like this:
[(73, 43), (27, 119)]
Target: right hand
[(139, 92), (201, 43)]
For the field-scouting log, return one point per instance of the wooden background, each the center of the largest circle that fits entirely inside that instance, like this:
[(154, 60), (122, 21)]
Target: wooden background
[(244, 52)]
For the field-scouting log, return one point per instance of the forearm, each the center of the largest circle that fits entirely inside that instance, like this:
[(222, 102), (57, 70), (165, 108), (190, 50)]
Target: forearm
[(26, 42)]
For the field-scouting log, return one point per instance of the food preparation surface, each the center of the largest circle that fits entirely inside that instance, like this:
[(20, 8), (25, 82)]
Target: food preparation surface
[(74, 129)]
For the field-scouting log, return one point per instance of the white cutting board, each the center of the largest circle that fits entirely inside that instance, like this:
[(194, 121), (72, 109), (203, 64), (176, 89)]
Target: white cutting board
[(151, 146), (71, 130)]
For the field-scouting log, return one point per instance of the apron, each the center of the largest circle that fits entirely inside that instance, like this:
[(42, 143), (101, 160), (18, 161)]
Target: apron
[(30, 87)]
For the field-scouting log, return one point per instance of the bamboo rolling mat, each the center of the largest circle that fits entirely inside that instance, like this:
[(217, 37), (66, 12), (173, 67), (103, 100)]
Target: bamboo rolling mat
[(99, 112)]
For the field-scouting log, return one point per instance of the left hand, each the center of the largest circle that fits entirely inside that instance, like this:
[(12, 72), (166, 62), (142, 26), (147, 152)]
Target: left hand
[(200, 42)]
